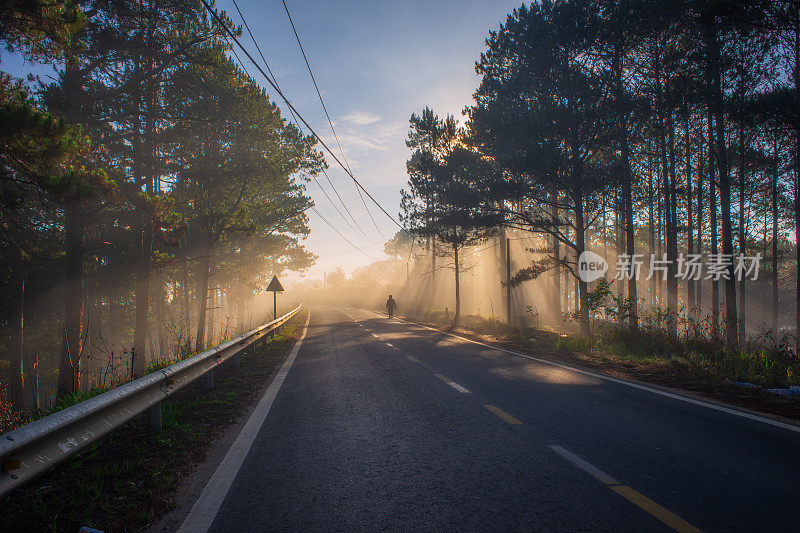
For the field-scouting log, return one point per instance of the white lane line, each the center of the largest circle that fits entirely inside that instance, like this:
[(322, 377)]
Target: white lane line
[(583, 465), (450, 382), (390, 344), (205, 509), (666, 394), (458, 387)]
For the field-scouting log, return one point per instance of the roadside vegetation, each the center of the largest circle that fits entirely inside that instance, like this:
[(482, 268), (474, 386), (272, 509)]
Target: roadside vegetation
[(129, 479), (149, 190)]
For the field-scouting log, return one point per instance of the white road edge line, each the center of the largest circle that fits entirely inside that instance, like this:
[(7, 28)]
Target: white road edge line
[(205, 509), (686, 399), (583, 465)]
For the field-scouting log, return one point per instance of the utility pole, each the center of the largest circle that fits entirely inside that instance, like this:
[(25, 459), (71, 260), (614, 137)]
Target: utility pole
[(508, 280)]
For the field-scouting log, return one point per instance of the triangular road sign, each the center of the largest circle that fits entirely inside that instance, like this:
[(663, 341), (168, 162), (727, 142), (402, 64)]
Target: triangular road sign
[(275, 285)]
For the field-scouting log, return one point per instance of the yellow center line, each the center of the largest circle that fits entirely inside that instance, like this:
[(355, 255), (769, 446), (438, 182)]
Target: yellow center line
[(502, 414), (646, 504)]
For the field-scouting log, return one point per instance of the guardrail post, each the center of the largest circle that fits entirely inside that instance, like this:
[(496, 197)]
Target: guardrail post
[(209, 380), (154, 424), (236, 359)]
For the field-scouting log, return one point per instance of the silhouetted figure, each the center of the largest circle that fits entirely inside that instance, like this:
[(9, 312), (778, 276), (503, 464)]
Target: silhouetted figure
[(391, 305)]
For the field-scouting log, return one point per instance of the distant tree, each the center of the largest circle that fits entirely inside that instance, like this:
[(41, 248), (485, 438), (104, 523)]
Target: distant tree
[(335, 279), (443, 203), (399, 246), (431, 138)]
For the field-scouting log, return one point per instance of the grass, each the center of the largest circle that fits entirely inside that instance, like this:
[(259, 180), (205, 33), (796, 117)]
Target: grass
[(67, 401), (697, 357), (128, 479)]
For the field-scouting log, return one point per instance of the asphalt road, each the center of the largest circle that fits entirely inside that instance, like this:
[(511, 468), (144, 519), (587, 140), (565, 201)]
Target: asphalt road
[(384, 425)]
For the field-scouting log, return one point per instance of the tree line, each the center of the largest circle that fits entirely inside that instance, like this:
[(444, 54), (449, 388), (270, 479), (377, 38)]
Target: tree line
[(148, 184), (656, 129)]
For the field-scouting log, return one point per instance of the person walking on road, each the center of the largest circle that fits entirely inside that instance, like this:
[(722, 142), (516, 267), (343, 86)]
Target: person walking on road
[(391, 305)]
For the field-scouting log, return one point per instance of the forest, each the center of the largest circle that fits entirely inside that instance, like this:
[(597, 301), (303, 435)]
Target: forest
[(148, 192), (661, 138), (150, 188)]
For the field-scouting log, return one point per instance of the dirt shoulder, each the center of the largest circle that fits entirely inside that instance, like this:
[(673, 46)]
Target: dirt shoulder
[(671, 376), (131, 480)]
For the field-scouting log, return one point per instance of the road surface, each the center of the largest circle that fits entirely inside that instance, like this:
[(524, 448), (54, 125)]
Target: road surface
[(385, 425)]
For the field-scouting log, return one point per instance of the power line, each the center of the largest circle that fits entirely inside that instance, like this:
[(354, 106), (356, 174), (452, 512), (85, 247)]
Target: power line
[(342, 236), (321, 101), (274, 81), (303, 120), (321, 188)]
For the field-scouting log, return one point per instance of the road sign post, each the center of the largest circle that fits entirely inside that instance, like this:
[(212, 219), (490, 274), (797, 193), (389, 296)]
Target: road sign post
[(275, 287)]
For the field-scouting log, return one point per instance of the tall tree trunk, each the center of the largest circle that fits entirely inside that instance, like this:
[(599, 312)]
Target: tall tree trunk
[(204, 270), (501, 270), (94, 363), (74, 228), (141, 288), (651, 222), (565, 285), (557, 268), (627, 181), (663, 125), (712, 210), (796, 79), (627, 197), (699, 250), (582, 292), (671, 232), (604, 207), (716, 96), (16, 345), (742, 236), (83, 377), (185, 318), (619, 233), (144, 270), (690, 283), (69, 363), (774, 194), (144, 247), (457, 315), (32, 364)]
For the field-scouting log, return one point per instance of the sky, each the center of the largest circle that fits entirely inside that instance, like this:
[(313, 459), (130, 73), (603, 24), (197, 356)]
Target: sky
[(375, 62)]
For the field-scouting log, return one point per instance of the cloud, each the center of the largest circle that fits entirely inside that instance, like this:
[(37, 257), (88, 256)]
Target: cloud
[(362, 118), (374, 137)]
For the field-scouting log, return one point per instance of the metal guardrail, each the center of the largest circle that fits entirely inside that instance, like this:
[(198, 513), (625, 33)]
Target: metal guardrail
[(34, 448)]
